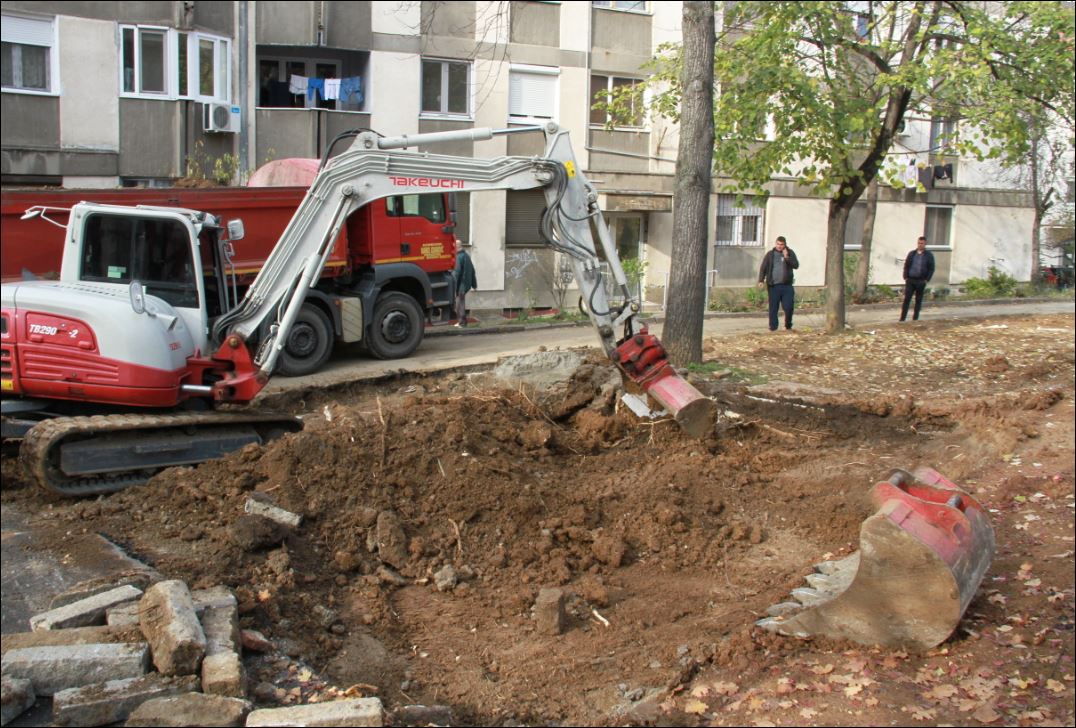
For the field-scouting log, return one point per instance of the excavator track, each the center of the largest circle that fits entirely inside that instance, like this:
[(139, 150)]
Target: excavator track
[(82, 456)]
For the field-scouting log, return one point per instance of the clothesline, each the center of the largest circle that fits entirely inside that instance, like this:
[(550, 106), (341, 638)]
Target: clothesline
[(330, 89)]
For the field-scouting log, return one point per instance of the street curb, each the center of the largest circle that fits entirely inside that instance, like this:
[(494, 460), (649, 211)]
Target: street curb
[(659, 317)]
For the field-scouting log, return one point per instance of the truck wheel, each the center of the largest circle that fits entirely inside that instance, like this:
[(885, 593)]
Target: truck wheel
[(397, 328), (309, 344)]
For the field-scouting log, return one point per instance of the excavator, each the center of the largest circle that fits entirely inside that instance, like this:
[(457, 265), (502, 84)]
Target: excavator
[(143, 321), (131, 363)]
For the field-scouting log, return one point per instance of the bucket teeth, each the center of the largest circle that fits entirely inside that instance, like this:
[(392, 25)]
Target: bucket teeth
[(780, 610), (809, 597), (776, 624)]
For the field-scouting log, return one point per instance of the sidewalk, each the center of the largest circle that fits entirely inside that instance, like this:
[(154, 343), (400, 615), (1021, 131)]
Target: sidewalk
[(657, 316)]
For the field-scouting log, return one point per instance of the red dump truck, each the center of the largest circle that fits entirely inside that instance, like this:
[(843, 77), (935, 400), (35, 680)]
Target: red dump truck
[(400, 245)]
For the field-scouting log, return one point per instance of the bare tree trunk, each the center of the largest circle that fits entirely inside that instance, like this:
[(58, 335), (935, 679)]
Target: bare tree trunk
[(682, 335), (863, 269), (838, 218)]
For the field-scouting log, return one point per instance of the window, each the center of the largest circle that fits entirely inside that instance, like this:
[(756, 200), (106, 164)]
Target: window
[(532, 92), (431, 207), (941, 132), (523, 217), (121, 249), (853, 229), (738, 225), (939, 222), (27, 63), (275, 75), (603, 88), (445, 87), (635, 7), (166, 63)]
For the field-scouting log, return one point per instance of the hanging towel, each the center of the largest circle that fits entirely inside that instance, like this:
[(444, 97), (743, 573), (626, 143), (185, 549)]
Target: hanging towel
[(297, 84), (315, 86), (351, 87), (910, 175), (332, 89)]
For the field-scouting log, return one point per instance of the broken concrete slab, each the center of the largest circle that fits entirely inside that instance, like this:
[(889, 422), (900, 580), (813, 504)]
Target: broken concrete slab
[(16, 697), (172, 628), (84, 612), (355, 712), (259, 505), (51, 669), (77, 636), (540, 369), (112, 701), (190, 709)]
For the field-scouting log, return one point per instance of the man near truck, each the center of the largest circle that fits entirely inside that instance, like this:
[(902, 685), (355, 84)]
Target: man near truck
[(465, 279)]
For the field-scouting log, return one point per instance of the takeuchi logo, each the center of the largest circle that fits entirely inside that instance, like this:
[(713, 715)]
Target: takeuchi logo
[(451, 184)]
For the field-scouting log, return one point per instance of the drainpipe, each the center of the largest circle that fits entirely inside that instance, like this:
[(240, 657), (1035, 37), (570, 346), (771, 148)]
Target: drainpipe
[(246, 119)]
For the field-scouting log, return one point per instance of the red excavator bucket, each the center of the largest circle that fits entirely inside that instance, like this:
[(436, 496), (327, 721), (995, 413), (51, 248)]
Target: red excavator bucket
[(921, 558)]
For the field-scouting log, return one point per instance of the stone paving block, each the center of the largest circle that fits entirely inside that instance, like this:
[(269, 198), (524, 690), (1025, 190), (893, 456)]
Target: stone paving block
[(56, 668), (84, 612), (261, 507), (356, 712), (217, 596), (140, 578), (16, 697), (172, 629), (112, 701), (192, 709), (77, 636), (222, 668), (549, 611)]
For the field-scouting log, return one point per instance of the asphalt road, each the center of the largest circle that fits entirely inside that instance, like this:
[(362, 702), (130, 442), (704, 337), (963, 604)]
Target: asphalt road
[(453, 348)]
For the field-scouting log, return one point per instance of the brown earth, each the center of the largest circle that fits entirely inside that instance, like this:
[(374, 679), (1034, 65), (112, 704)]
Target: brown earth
[(668, 548)]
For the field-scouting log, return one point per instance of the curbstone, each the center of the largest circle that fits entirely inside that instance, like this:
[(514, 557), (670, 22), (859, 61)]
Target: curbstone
[(354, 712), (189, 710), (171, 627), (84, 612), (76, 636), (125, 615), (16, 697), (262, 507), (113, 701), (55, 668), (222, 668)]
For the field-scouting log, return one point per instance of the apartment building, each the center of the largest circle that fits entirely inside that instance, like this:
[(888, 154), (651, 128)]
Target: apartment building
[(100, 94)]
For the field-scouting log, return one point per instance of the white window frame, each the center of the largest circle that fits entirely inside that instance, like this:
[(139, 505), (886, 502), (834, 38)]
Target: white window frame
[(516, 71), (444, 113), (310, 67), (727, 204), (948, 244), (612, 5), (53, 53), (609, 76), (222, 62)]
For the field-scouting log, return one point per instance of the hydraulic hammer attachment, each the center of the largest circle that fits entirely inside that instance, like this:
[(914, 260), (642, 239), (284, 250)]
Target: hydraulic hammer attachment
[(921, 558), (642, 360)]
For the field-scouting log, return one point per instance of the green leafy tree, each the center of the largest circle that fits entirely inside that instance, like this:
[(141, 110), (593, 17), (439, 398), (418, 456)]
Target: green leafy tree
[(816, 92)]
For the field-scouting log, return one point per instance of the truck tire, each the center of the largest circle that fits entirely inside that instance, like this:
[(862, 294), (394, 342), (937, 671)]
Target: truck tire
[(397, 328), (309, 344)]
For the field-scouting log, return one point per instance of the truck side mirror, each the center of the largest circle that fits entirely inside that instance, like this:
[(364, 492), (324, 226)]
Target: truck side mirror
[(235, 230)]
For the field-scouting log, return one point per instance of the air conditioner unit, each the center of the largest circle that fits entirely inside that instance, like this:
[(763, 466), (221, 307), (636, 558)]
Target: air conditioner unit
[(220, 118)]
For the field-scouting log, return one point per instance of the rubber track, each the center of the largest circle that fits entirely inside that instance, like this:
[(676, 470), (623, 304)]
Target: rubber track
[(35, 454)]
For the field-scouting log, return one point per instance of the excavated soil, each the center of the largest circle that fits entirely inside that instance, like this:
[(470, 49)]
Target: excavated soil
[(667, 548)]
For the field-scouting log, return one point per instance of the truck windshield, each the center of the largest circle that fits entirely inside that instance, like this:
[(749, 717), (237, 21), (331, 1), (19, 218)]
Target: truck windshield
[(431, 207), (120, 248)]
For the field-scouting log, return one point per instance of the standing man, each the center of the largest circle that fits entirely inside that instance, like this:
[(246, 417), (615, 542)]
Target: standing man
[(918, 270), (465, 279), (776, 274)]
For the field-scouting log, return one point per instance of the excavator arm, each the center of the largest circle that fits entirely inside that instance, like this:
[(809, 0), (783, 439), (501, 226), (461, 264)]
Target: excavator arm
[(375, 167)]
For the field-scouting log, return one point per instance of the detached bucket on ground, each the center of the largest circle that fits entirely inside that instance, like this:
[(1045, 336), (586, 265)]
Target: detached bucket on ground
[(921, 559)]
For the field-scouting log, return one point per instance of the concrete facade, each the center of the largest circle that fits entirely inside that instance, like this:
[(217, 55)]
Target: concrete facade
[(132, 138)]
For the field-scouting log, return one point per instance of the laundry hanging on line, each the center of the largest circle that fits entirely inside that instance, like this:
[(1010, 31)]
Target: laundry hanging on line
[(347, 89)]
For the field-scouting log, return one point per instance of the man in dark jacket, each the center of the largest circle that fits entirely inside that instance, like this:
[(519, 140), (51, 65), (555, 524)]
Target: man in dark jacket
[(776, 274), (918, 270), (464, 277)]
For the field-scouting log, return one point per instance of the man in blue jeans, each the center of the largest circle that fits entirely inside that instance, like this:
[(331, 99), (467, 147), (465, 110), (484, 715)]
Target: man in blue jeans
[(776, 274)]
